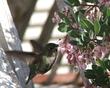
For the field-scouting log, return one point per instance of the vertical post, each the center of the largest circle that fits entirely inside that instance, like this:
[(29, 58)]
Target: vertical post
[(13, 74)]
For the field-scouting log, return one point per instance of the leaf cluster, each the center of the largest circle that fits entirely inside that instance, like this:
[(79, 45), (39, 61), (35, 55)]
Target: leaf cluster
[(84, 28), (99, 73)]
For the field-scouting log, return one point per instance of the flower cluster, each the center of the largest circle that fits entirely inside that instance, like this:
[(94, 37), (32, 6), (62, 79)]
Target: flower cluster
[(80, 57), (74, 54), (100, 52), (66, 48), (56, 18), (88, 21), (105, 2), (93, 13)]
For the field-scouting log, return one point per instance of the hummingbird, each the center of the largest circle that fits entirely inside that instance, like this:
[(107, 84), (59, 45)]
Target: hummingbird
[(38, 62)]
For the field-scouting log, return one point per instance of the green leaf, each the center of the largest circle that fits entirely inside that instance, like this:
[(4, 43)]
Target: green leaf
[(97, 26), (73, 42), (81, 16), (102, 29), (107, 64), (72, 2), (85, 40), (91, 34), (103, 9), (86, 24), (108, 12), (74, 33), (94, 66), (101, 80), (109, 20), (101, 63), (63, 27), (79, 41), (64, 18), (89, 74), (98, 69)]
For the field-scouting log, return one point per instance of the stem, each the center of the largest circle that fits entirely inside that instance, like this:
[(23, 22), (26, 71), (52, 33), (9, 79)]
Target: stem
[(89, 5)]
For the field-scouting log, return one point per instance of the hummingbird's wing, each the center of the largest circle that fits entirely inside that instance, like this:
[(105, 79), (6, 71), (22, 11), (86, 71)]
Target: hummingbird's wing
[(33, 60), (27, 57), (37, 46)]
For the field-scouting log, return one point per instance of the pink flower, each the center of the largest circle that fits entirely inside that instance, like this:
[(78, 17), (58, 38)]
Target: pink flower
[(56, 18), (105, 51), (74, 55), (104, 2), (100, 52), (71, 59), (78, 57), (75, 26), (66, 48), (66, 11), (97, 52), (93, 14), (82, 61)]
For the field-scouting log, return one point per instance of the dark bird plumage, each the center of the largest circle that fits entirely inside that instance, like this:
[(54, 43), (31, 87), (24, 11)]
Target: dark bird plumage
[(38, 62)]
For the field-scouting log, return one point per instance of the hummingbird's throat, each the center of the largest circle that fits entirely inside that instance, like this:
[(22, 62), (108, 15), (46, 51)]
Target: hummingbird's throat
[(49, 59)]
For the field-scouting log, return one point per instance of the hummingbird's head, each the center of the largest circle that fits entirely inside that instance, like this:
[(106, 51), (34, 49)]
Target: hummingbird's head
[(49, 56), (50, 48)]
